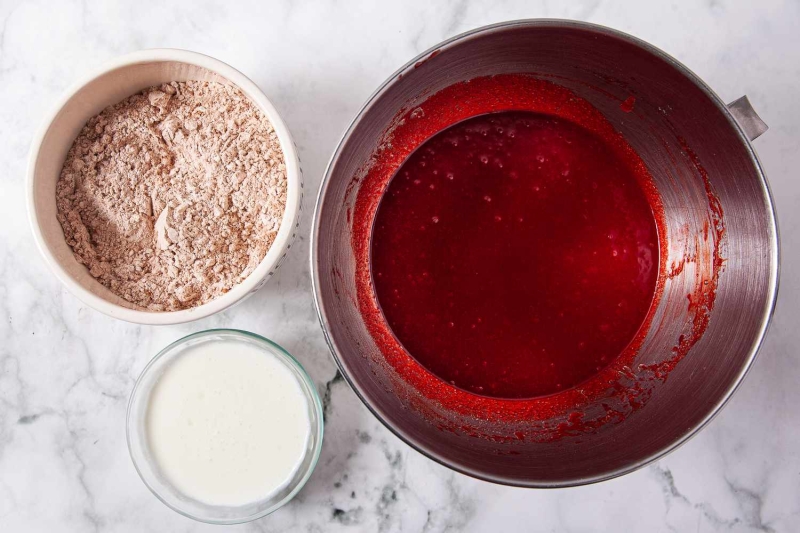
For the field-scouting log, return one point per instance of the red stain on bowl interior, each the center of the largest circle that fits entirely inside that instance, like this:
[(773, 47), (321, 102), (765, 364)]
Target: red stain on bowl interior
[(431, 56), (627, 105)]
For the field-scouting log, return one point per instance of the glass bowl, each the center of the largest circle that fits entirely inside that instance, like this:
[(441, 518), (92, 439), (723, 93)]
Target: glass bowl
[(147, 466)]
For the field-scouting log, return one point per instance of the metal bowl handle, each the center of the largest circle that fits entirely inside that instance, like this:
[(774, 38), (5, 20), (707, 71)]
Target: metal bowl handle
[(748, 119)]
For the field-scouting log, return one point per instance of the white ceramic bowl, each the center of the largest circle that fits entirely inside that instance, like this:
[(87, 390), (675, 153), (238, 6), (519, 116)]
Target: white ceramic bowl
[(113, 83)]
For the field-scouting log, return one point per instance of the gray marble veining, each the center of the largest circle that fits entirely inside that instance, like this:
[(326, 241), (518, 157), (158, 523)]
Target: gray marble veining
[(66, 371)]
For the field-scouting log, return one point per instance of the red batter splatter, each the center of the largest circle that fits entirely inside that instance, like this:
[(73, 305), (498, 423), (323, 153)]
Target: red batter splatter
[(627, 105), (422, 61), (701, 300)]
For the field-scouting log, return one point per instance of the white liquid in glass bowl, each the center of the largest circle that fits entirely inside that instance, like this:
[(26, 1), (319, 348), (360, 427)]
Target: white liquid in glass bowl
[(224, 426)]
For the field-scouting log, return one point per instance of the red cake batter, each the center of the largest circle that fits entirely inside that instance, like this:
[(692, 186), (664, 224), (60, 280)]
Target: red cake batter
[(606, 396), (515, 254)]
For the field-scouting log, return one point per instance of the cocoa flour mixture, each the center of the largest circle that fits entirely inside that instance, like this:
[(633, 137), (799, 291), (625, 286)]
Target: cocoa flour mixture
[(174, 195)]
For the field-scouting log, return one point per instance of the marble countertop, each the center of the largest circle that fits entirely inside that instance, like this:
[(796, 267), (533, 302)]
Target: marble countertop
[(66, 371)]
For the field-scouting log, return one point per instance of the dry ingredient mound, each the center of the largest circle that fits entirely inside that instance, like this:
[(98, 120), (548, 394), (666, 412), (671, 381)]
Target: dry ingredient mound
[(174, 195)]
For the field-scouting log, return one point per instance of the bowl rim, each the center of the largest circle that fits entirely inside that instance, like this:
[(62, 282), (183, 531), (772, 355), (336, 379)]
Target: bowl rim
[(289, 222), (287, 358), (772, 289)]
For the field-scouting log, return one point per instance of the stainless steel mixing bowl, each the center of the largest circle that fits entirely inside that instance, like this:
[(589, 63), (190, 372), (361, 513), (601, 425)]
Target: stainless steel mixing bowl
[(698, 151)]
